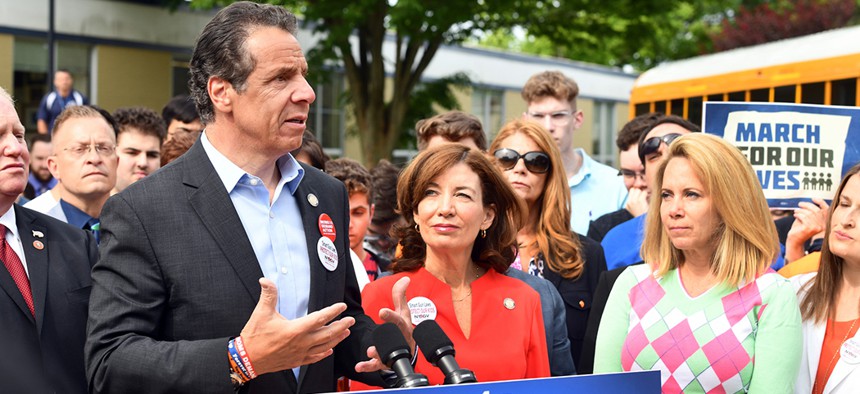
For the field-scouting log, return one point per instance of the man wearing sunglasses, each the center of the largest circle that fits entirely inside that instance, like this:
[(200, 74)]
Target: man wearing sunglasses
[(632, 172), (623, 242), (595, 188)]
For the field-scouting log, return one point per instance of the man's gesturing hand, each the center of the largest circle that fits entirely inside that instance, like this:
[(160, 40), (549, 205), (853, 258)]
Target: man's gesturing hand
[(274, 343)]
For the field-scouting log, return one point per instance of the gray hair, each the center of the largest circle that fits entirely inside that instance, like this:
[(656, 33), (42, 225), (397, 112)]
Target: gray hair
[(220, 49)]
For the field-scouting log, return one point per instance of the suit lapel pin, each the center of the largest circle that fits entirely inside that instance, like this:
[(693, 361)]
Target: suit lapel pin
[(38, 245), (581, 304), (38, 234), (313, 200)]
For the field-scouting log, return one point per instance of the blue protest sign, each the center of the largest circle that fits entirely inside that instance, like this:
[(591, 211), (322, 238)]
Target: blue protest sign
[(798, 151)]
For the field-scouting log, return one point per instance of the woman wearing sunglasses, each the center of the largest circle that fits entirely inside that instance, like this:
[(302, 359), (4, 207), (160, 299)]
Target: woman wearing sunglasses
[(531, 162)]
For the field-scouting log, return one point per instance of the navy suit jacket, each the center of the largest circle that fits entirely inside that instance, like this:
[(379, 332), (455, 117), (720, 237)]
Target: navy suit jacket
[(578, 294), (178, 277), (45, 354)]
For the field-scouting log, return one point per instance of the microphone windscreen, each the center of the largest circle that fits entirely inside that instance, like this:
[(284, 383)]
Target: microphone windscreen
[(430, 338), (388, 339)]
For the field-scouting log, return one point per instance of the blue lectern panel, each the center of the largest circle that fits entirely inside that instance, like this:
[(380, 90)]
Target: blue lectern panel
[(645, 382)]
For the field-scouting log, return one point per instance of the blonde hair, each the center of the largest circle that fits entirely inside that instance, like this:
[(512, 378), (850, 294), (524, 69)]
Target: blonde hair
[(553, 236), (4, 94), (746, 240)]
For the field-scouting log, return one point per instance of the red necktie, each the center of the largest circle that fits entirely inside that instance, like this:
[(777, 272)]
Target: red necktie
[(16, 269)]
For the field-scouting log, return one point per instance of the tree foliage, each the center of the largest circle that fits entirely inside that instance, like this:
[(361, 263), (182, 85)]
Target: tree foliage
[(639, 33), (771, 21), (385, 90)]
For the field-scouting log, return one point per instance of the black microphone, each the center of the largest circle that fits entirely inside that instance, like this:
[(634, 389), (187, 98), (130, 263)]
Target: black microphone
[(439, 351), (394, 352)]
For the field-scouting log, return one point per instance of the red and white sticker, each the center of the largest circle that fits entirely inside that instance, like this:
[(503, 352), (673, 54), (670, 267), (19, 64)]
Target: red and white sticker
[(422, 309), (326, 226), (327, 253)]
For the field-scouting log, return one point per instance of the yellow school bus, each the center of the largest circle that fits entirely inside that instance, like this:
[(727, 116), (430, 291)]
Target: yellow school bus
[(821, 68)]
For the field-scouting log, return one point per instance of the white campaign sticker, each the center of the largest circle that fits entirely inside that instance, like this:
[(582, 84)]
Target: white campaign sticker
[(850, 351), (422, 309), (327, 253)]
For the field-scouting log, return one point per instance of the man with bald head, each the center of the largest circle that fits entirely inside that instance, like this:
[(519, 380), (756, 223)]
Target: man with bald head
[(84, 162), (45, 281)]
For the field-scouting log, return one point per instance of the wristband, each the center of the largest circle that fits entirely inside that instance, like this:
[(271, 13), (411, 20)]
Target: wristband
[(238, 373), (246, 361)]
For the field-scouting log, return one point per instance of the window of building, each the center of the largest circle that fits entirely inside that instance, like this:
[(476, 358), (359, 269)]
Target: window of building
[(179, 74), (489, 106), (603, 133), (31, 79), (327, 116)]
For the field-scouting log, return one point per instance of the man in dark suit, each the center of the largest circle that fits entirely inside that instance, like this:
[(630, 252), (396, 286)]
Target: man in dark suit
[(234, 241), (45, 281)]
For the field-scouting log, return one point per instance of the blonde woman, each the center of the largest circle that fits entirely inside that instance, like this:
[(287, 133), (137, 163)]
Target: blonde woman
[(531, 162), (830, 300), (705, 310)]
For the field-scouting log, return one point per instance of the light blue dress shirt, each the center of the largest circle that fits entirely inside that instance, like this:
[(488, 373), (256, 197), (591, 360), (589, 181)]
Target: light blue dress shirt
[(594, 191), (275, 230)]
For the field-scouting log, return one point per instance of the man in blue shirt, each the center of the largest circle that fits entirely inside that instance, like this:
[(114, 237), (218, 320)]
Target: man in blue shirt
[(234, 251), (621, 244), (84, 162), (595, 188), (40, 178), (54, 103)]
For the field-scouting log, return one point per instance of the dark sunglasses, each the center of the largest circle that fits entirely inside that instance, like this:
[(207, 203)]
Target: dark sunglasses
[(536, 162), (652, 145)]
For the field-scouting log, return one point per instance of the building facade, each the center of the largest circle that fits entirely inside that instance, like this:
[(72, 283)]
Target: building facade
[(133, 53)]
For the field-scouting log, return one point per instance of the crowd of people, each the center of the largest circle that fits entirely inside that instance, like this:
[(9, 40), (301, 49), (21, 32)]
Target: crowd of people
[(255, 262)]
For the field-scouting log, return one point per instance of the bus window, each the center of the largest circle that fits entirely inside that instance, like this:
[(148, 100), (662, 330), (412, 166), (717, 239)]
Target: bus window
[(760, 95), (678, 107), (660, 107), (714, 97), (844, 92), (694, 110), (784, 94), (812, 93), (643, 108), (737, 96)]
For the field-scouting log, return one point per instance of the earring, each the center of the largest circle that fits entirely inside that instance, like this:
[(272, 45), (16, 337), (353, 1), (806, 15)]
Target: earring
[(417, 228), (484, 233)]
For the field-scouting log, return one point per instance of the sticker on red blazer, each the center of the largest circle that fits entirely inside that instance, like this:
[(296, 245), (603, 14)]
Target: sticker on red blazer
[(327, 227)]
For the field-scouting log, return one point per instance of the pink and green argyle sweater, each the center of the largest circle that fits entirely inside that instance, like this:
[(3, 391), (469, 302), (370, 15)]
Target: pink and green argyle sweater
[(726, 340)]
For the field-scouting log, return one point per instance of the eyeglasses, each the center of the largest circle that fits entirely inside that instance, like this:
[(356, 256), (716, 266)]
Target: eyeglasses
[(560, 118), (536, 162), (101, 149), (631, 174), (652, 145)]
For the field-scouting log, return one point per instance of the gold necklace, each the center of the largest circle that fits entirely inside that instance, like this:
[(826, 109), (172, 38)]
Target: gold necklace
[(477, 275), (828, 371)]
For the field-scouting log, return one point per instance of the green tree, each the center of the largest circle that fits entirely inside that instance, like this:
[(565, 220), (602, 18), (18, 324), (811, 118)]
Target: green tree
[(638, 33), (352, 35)]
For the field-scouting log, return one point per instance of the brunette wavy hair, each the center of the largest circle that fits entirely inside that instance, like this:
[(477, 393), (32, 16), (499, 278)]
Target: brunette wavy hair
[(497, 250), (553, 236)]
